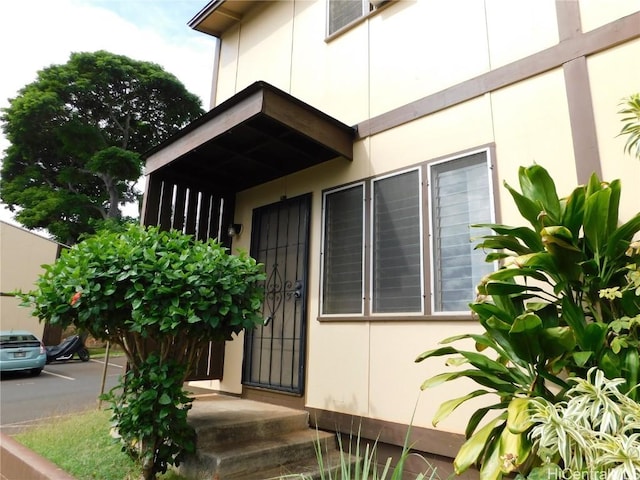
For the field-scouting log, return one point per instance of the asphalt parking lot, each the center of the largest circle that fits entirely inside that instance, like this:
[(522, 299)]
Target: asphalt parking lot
[(61, 388)]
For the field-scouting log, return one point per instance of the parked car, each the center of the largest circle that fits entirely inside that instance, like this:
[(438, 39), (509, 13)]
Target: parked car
[(21, 351)]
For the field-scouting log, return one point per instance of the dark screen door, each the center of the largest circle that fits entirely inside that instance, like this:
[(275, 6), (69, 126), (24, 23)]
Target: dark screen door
[(275, 352)]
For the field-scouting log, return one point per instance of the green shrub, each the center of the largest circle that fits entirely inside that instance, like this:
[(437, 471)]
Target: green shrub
[(161, 297)]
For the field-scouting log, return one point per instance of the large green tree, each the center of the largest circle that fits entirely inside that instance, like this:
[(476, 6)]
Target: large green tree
[(77, 134)]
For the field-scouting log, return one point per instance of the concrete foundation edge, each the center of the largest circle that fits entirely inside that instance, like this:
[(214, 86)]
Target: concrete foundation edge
[(17, 462)]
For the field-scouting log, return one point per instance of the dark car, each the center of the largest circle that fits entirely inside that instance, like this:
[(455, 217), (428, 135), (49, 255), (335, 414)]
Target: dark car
[(21, 351)]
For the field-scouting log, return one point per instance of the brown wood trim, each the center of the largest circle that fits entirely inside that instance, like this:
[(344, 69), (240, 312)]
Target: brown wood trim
[(218, 125), (568, 17), (429, 440), (615, 33), (582, 119), (395, 318), (313, 124)]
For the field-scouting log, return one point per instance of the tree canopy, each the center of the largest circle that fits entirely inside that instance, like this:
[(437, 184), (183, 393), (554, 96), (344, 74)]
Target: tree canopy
[(77, 134)]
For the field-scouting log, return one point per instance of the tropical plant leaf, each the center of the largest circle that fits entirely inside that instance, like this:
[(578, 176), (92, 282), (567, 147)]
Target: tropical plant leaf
[(596, 219), (502, 242), (537, 184), (437, 352), (528, 236), (526, 323), (614, 206), (445, 409), (556, 341), (527, 208), (482, 378), (471, 450), (509, 288), (518, 415), (514, 450), (573, 212), (511, 273), (479, 415), (620, 238)]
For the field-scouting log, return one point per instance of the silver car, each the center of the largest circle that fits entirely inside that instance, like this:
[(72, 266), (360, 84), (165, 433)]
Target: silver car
[(21, 351)]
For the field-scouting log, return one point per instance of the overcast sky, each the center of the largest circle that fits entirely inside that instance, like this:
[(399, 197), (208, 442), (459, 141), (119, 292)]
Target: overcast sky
[(37, 33)]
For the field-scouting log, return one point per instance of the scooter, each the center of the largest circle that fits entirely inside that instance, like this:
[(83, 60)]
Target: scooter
[(70, 346)]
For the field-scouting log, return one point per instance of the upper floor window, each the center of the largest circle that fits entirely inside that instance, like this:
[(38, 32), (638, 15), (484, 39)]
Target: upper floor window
[(343, 12), (373, 240)]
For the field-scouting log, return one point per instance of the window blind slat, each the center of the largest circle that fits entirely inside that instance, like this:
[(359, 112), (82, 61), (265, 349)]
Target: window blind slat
[(460, 197), (397, 279), (343, 244)]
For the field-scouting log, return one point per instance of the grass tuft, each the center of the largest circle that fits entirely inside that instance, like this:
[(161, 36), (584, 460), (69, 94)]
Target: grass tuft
[(81, 445)]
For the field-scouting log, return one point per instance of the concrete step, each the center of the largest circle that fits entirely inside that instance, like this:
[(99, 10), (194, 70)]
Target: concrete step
[(216, 426), (252, 458), (304, 469), (240, 439)]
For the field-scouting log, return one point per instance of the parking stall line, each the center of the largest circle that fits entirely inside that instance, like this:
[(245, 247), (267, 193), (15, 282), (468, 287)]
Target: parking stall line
[(58, 375), (109, 363)]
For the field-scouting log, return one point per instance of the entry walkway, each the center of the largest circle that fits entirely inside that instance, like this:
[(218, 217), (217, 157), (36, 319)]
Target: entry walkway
[(249, 440)]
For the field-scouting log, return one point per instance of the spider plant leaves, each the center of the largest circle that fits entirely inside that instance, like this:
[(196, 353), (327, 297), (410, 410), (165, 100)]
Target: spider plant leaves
[(445, 409)]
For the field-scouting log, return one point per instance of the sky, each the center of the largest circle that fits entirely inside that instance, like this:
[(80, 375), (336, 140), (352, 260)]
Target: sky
[(35, 34)]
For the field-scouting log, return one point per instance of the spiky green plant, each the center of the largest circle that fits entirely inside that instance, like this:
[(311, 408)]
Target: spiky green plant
[(565, 299)]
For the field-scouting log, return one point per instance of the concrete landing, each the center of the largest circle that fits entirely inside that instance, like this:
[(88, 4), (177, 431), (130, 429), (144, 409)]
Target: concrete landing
[(249, 440)]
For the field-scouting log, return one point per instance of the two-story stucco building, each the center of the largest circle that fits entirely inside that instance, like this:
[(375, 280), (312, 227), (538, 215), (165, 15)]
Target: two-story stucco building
[(352, 143)]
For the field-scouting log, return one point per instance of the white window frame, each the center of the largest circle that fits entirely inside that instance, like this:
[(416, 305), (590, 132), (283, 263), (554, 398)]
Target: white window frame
[(371, 239), (432, 251), (363, 247)]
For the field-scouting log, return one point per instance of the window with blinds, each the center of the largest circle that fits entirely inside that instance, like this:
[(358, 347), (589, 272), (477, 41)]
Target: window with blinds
[(396, 246), (383, 272), (342, 282), (460, 197)]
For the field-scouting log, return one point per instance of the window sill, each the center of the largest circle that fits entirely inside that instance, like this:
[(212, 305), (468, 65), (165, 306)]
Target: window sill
[(439, 317), (357, 21)]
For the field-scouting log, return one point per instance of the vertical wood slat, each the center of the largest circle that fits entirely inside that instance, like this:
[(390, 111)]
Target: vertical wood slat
[(151, 201), (192, 211), (166, 206), (178, 212), (203, 217), (214, 218)]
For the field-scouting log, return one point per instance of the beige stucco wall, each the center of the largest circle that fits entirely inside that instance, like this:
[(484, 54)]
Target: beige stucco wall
[(21, 255), (596, 13), (386, 63), (608, 91)]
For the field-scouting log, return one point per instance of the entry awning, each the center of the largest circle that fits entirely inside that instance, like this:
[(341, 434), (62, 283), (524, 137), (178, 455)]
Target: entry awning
[(258, 135)]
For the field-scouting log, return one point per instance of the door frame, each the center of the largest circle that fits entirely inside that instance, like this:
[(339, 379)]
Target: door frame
[(294, 399)]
